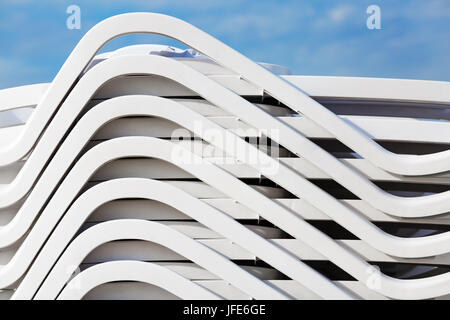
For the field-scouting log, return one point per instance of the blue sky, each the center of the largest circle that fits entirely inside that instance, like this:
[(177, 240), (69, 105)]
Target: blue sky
[(311, 37)]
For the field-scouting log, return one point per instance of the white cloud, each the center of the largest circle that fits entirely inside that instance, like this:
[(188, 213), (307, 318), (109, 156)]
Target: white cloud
[(336, 16), (258, 21), (341, 13), (14, 72)]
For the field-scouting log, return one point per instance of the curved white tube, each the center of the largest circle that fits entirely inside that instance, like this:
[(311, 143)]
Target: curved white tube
[(139, 271), (282, 90), (226, 99), (23, 96), (289, 179), (159, 233), (113, 108), (271, 211), (180, 200)]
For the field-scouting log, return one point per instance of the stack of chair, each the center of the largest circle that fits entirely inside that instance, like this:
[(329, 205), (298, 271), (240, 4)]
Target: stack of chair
[(153, 172)]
